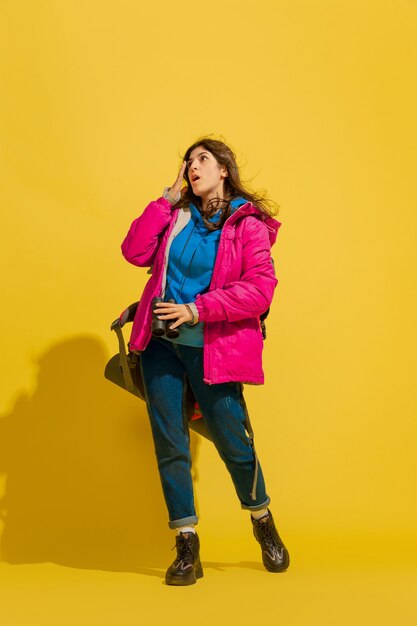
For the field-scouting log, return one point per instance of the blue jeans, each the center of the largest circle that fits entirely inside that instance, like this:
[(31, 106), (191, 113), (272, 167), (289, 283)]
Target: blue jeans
[(166, 366)]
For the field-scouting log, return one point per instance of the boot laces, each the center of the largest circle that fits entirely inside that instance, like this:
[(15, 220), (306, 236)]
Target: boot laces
[(269, 535), (184, 553)]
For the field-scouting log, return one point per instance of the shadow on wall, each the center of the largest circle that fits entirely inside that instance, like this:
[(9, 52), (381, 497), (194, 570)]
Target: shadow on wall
[(82, 486)]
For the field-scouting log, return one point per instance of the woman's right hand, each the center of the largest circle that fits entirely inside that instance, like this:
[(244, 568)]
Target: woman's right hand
[(176, 187)]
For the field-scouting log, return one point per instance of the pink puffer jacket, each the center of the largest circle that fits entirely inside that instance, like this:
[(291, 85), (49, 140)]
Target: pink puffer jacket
[(241, 288)]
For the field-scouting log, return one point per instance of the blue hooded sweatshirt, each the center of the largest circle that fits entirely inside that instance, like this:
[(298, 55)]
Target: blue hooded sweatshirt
[(190, 267)]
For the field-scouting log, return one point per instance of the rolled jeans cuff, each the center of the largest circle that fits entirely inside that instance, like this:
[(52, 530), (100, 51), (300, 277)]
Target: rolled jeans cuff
[(256, 507), (184, 521)]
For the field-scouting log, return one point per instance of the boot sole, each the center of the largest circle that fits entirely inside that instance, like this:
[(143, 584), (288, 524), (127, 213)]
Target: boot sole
[(182, 581), (274, 569)]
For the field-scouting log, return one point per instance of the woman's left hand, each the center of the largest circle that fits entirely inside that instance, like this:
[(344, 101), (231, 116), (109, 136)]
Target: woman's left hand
[(169, 311)]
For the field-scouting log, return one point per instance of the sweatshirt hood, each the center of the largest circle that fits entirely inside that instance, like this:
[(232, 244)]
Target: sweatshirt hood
[(235, 204)]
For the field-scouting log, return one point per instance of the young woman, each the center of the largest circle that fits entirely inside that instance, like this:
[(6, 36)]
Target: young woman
[(209, 247)]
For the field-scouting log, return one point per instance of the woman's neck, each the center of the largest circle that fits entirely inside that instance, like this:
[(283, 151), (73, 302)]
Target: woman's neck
[(211, 197), (213, 194)]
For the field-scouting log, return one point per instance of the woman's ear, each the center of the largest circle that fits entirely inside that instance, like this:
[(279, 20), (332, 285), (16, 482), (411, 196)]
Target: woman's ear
[(223, 171)]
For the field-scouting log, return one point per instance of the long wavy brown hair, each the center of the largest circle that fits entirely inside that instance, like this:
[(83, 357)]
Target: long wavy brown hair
[(233, 186)]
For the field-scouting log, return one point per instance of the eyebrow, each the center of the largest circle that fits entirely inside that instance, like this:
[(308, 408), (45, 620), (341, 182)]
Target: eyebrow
[(199, 154)]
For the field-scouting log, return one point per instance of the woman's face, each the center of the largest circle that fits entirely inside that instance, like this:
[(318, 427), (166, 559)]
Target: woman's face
[(205, 174)]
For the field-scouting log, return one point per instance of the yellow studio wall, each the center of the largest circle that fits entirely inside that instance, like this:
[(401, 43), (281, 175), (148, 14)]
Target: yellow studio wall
[(99, 101)]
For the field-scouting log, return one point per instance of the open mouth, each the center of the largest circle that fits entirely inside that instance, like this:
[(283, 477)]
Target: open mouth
[(194, 178)]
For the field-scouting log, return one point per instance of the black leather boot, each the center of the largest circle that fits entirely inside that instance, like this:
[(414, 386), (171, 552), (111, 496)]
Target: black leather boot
[(187, 566), (275, 555)]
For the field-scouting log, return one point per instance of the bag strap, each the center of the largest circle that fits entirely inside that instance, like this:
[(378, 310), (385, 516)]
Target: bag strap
[(251, 434), (124, 363)]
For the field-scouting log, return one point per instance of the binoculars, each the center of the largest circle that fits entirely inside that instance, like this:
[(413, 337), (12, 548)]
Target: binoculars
[(160, 327)]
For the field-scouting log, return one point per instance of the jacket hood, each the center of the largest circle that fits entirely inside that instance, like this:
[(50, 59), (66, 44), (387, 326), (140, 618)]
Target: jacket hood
[(271, 223)]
